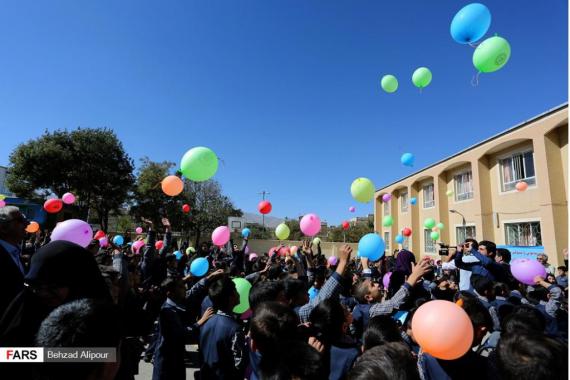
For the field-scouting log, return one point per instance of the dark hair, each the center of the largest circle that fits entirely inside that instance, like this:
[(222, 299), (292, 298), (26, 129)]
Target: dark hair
[(80, 323), (491, 247), (298, 360), (293, 287), (391, 361), (169, 285), (274, 271), (478, 314), (501, 289), (221, 289), (273, 324), (264, 291), (563, 268), (381, 329), (525, 356), (473, 242), (481, 284), (505, 254), (327, 318), (523, 318)]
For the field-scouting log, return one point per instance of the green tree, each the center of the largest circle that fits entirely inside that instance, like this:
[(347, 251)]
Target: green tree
[(352, 235), (91, 163)]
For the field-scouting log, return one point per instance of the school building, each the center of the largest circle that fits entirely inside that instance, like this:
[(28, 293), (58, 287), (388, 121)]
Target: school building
[(473, 193)]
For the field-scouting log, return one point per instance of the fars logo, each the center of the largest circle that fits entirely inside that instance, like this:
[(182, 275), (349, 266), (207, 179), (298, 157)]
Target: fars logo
[(21, 354)]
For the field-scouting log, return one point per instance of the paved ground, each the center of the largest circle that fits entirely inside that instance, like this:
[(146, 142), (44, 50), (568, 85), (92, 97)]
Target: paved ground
[(145, 369)]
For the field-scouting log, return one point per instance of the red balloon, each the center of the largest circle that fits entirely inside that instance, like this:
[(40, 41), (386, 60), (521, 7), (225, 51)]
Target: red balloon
[(159, 244), (99, 234), (186, 208), (264, 207), (53, 205), (407, 231), (345, 225), (283, 251)]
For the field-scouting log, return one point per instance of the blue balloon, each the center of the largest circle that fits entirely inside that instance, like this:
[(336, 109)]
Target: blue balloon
[(399, 239), (313, 292), (470, 23), (407, 159), (178, 255), (372, 246), (199, 266), (118, 240), (245, 232), (413, 200)]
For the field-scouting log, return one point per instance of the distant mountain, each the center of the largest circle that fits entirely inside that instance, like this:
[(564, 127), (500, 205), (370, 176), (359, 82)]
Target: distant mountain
[(270, 221)]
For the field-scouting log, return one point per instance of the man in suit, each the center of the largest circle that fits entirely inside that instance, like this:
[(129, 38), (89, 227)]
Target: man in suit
[(12, 232)]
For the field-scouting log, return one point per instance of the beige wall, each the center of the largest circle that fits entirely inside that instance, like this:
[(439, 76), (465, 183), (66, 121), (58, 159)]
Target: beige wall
[(490, 208), (328, 248)]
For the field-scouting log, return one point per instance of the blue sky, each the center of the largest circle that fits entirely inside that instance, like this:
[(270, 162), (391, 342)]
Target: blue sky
[(285, 92)]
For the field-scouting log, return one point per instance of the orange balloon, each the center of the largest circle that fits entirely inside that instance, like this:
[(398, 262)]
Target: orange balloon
[(172, 185), (521, 186), (33, 227), (442, 329)]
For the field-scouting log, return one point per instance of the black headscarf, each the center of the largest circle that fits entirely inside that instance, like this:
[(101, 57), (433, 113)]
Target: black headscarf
[(58, 263)]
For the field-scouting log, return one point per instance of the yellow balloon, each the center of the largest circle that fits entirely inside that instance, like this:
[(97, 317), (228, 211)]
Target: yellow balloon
[(282, 231), (362, 190)]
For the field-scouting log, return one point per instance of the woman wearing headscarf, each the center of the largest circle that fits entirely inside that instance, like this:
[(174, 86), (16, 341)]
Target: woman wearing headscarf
[(404, 262)]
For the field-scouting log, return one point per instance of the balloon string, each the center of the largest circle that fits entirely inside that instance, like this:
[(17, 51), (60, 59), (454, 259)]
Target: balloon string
[(475, 80)]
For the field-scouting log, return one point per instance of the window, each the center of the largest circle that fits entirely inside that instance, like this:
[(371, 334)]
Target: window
[(387, 241), (404, 202), (463, 186), (517, 168), (429, 200), (523, 234), (429, 244), (463, 233), (387, 208)]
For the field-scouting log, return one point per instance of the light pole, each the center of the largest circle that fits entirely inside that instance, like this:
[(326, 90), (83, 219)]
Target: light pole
[(463, 221), (263, 194)]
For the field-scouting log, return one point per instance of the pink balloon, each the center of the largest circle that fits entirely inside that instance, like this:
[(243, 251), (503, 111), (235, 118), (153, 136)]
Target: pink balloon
[(68, 198), (283, 251), (386, 197), (310, 224), (252, 256), (294, 249), (386, 280), (73, 230), (352, 209), (272, 251), (103, 242), (139, 230), (2, 203), (137, 245), (333, 260), (221, 236), (525, 270)]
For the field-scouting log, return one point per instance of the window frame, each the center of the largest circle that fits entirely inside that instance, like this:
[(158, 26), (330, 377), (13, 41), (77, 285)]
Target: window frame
[(427, 237), (467, 225), (424, 196), (511, 155), (387, 241), (455, 187), (522, 221), (404, 202)]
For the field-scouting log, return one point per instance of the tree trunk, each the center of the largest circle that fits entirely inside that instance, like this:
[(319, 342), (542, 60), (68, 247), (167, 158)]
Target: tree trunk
[(198, 236)]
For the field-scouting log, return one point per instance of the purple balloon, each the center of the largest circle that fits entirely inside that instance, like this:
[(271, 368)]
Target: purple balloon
[(525, 270), (246, 249), (351, 209), (386, 280), (386, 197), (73, 230), (333, 260)]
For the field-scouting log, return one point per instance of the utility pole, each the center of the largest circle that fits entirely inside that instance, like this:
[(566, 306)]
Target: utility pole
[(263, 194)]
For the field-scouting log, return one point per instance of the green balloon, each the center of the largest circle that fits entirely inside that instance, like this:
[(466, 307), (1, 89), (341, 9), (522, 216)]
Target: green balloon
[(282, 231), (421, 77), (440, 226), (434, 235), (243, 287), (316, 241), (387, 221), (199, 164), (429, 223), (389, 83), (449, 193), (491, 54), (362, 190)]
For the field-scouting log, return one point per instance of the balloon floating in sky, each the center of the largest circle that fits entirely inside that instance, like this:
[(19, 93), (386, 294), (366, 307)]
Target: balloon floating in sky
[(245, 232), (264, 207), (199, 164), (471, 23), (68, 198), (386, 198), (345, 225), (159, 244), (521, 186), (389, 83), (185, 208), (449, 193), (53, 206), (99, 234), (73, 230), (407, 231), (118, 240), (399, 239), (434, 235), (429, 223), (310, 224), (139, 230), (199, 266), (362, 190), (413, 201), (333, 260), (440, 226), (352, 209), (137, 245), (316, 241), (442, 329), (492, 54), (172, 185), (387, 221), (371, 246), (407, 159), (421, 77), (221, 236), (282, 231)]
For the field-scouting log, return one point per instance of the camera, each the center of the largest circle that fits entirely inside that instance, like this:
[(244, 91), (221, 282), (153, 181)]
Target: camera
[(444, 249)]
